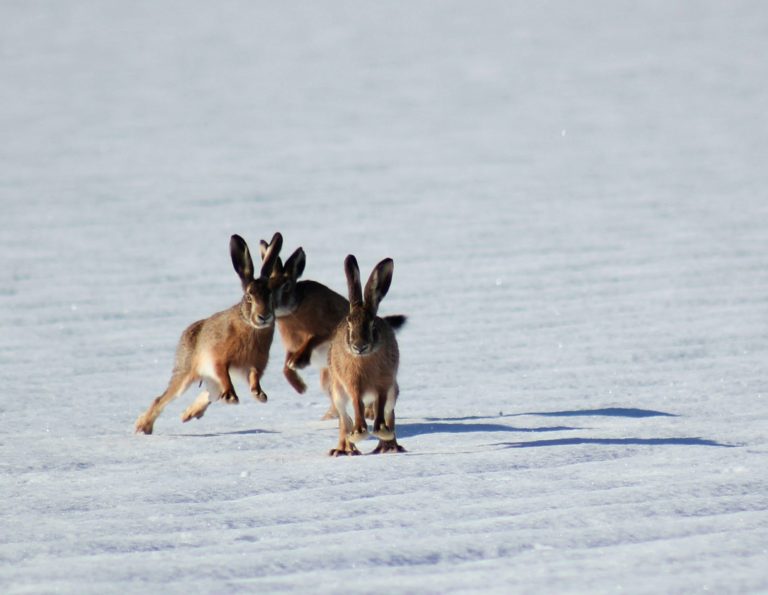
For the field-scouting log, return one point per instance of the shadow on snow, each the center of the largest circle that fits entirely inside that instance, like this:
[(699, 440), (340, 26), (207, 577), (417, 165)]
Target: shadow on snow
[(618, 441), (234, 433), (605, 412), (405, 429)]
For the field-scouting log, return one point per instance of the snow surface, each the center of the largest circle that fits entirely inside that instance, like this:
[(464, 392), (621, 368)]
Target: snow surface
[(574, 194)]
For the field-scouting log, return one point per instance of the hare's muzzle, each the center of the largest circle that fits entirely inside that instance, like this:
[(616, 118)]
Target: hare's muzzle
[(360, 349), (263, 321)]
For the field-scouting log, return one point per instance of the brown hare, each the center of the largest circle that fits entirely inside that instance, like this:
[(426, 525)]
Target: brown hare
[(363, 360), (234, 340), (307, 315)]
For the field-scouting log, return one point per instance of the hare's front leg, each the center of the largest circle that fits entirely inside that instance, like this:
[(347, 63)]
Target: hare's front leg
[(345, 446), (222, 378), (301, 357), (256, 390), (381, 429), (360, 429), (292, 376), (387, 439)]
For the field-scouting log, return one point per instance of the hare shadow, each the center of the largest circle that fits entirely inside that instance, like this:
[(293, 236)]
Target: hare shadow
[(454, 424), (406, 430), (233, 433), (605, 412), (618, 441), (602, 412)]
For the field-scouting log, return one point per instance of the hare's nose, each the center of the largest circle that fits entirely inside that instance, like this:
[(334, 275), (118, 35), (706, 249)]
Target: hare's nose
[(264, 319)]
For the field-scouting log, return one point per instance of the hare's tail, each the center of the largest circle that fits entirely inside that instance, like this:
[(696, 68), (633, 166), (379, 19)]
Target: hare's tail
[(396, 321)]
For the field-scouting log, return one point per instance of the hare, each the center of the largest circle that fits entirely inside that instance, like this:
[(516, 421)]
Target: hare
[(363, 360), (307, 315), (237, 339)]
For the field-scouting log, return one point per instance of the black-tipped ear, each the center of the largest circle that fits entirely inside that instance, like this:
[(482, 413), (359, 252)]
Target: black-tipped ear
[(378, 284), (271, 255), (296, 263), (278, 269), (241, 259), (353, 281)]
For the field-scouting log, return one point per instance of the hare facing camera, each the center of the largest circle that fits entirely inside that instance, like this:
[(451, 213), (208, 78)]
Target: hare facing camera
[(363, 359), (234, 340)]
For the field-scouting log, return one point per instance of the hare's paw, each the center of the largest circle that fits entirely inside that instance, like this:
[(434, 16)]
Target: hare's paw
[(358, 434), (144, 425), (344, 450), (230, 397), (259, 395), (192, 412), (370, 412), (383, 432), (198, 407), (385, 446)]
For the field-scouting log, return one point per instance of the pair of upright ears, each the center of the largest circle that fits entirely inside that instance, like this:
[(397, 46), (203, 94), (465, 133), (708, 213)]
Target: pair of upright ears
[(294, 266), (376, 287), (243, 263)]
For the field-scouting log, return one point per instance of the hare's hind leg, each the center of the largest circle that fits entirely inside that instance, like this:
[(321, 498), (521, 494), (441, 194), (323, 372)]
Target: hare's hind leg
[(381, 427), (177, 385), (388, 411), (199, 406), (345, 446)]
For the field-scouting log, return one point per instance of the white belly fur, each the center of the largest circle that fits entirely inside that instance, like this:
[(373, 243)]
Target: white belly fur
[(319, 357), (205, 369)]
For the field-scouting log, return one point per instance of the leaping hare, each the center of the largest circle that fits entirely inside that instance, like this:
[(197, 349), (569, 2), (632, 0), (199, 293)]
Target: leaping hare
[(307, 315), (237, 339), (363, 360)]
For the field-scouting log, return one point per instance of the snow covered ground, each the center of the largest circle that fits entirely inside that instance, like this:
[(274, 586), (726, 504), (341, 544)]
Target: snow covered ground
[(574, 195)]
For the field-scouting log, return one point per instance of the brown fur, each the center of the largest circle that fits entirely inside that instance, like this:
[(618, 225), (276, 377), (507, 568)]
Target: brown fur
[(363, 360), (310, 325), (307, 316), (236, 339)]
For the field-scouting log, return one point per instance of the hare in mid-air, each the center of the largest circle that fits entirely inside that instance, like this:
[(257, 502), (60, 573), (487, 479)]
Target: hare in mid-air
[(363, 360), (234, 340), (307, 315)]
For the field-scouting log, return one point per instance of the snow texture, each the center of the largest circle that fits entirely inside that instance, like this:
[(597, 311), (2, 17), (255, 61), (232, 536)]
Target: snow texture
[(574, 195)]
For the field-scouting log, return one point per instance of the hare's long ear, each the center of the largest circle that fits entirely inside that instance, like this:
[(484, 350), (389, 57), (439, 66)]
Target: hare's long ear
[(278, 270), (295, 264), (241, 259), (271, 255), (378, 284), (353, 281)]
